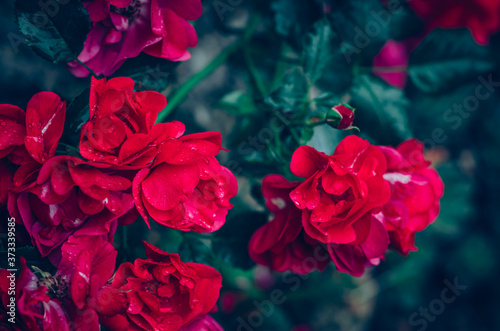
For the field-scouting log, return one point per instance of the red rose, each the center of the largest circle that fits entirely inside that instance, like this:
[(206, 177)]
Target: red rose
[(205, 323), (39, 302), (45, 122), (164, 292), (481, 17), (67, 300), (65, 195), (393, 54), (281, 244), (5, 181), (121, 130), (12, 128), (34, 134), (416, 190), (188, 189), (353, 259), (99, 9), (339, 190), (122, 31), (87, 263)]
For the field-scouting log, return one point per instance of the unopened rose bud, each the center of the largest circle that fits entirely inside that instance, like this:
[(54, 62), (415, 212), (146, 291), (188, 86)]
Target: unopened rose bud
[(340, 117)]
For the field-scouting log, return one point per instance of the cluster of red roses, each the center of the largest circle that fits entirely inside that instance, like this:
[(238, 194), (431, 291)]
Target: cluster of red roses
[(159, 293), (352, 205), (70, 208)]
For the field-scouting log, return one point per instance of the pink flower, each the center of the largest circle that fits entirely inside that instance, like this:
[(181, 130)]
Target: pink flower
[(157, 27), (391, 62)]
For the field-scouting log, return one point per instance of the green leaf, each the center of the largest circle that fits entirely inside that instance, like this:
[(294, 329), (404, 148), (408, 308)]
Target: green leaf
[(233, 238), (306, 133), (325, 101), (292, 93), (55, 30), (285, 16), (361, 29), (446, 59), (292, 19), (381, 109), (77, 114), (433, 114), (319, 48), (148, 72), (404, 23), (238, 103)]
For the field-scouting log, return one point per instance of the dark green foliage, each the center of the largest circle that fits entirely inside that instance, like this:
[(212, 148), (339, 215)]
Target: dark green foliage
[(232, 246), (55, 30)]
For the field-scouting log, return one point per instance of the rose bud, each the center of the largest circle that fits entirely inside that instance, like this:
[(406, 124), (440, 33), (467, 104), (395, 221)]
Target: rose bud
[(340, 117)]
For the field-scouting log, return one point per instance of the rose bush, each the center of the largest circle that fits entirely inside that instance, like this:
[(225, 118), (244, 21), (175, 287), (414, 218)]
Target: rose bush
[(393, 56)]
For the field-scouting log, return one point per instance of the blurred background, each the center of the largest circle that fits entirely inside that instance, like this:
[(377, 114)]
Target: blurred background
[(405, 78)]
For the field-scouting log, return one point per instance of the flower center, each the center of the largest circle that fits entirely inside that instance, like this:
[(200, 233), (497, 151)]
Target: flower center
[(151, 286), (131, 12), (56, 287)]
